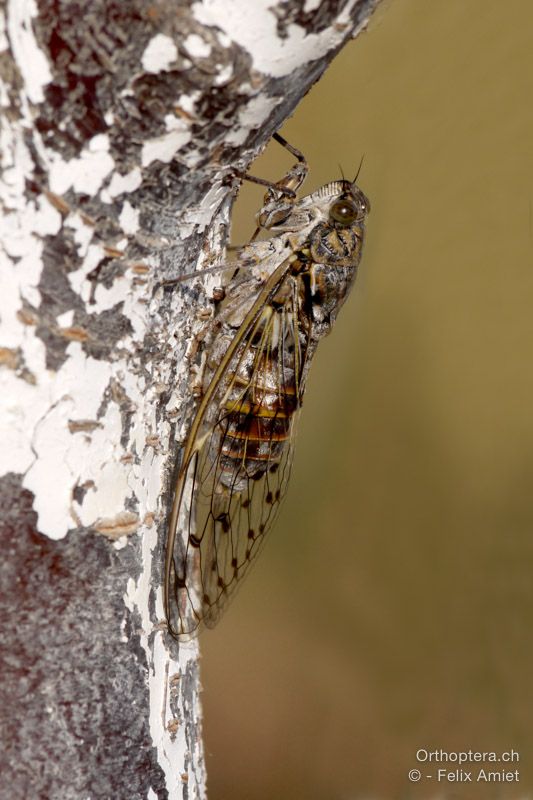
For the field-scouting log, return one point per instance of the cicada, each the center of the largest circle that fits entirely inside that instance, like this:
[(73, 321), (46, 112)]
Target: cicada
[(236, 463)]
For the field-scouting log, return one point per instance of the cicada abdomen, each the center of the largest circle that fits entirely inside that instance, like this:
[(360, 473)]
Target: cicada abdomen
[(237, 458), (262, 400)]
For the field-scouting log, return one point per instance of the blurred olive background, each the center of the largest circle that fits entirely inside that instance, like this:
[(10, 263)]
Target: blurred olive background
[(392, 609)]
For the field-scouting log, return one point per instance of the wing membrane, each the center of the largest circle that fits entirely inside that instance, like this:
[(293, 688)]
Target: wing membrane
[(237, 459)]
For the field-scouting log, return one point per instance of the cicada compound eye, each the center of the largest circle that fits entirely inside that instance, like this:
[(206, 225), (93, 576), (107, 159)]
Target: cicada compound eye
[(343, 211)]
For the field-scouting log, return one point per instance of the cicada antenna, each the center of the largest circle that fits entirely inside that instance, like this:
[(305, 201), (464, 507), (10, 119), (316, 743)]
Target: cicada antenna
[(359, 168)]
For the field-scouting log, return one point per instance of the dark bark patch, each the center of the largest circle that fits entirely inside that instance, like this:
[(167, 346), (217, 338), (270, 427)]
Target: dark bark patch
[(57, 296), (65, 666), (105, 330), (91, 59)]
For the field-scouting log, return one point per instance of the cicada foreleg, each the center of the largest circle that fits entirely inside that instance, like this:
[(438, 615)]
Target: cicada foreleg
[(281, 195)]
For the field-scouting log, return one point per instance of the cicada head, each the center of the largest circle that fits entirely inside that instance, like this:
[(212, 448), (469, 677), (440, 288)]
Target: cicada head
[(337, 236)]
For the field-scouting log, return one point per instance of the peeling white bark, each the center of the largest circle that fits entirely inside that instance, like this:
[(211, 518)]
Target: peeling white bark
[(119, 158)]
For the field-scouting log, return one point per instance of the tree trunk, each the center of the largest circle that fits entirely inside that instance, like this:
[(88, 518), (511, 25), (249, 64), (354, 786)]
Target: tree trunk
[(121, 127)]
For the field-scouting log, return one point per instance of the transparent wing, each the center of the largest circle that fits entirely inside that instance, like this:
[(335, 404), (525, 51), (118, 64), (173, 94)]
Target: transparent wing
[(237, 461), (222, 533)]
